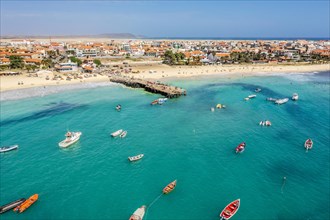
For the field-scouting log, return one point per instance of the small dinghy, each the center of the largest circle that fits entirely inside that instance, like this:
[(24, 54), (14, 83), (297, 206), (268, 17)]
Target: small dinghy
[(155, 102), (257, 90), (122, 135), (295, 97), (139, 213), (240, 148), (230, 210), (116, 133), (26, 204), (250, 97), (169, 188), (11, 205), (8, 148), (308, 144), (265, 123), (162, 100), (281, 101), (118, 107), (135, 158)]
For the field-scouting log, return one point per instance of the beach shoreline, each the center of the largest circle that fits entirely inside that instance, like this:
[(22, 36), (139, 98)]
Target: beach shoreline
[(39, 86)]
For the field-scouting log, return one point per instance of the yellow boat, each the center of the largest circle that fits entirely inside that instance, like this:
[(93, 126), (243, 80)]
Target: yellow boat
[(169, 187)]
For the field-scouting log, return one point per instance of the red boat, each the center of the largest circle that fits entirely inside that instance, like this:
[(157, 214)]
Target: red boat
[(154, 102), (240, 148), (308, 144), (230, 210)]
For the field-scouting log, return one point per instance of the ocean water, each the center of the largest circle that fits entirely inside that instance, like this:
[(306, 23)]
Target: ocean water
[(182, 140)]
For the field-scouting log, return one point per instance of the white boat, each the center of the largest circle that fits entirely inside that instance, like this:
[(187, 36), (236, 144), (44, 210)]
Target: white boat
[(71, 138), (139, 213), (295, 97), (271, 99), (8, 148), (161, 100), (135, 158), (281, 101), (116, 133), (257, 90), (122, 135), (252, 96), (118, 107)]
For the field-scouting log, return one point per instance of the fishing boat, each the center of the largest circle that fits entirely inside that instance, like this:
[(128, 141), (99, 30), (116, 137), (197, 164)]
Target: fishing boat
[(27, 203), (265, 123), (230, 210), (155, 102), (295, 97), (118, 107), (169, 187), (135, 158), (71, 138), (116, 133), (240, 148), (11, 205), (8, 148), (123, 134), (257, 90), (308, 144), (281, 101), (139, 213)]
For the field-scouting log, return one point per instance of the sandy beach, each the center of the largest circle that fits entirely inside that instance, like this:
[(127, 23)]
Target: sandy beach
[(160, 71)]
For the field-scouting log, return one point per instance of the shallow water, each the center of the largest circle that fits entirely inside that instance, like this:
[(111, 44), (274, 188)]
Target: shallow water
[(182, 140)]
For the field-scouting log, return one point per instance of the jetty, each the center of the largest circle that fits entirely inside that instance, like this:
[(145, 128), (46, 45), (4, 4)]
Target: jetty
[(150, 86)]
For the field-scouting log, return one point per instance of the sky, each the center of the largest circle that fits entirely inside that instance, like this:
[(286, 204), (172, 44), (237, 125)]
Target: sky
[(235, 18)]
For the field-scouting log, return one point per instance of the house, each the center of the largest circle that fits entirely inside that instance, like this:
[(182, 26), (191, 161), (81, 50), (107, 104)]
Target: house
[(4, 61), (32, 61), (66, 67)]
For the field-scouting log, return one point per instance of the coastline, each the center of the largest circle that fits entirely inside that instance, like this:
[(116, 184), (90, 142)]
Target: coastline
[(39, 86)]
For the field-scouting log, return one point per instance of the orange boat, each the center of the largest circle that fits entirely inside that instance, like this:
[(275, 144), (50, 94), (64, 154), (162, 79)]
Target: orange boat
[(22, 207), (169, 187)]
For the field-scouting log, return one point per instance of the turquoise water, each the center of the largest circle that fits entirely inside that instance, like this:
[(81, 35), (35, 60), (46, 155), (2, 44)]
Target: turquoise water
[(181, 140)]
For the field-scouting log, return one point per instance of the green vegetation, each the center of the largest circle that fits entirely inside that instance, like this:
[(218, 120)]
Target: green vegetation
[(97, 62), (76, 60), (16, 62), (31, 67), (173, 58), (47, 63)]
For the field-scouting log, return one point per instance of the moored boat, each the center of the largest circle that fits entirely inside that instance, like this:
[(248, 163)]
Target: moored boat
[(71, 138), (135, 158), (240, 148), (27, 203), (8, 148), (139, 213), (155, 102), (281, 101), (118, 107), (252, 96), (271, 99), (257, 90), (308, 144), (123, 134), (9, 206), (230, 210), (161, 100), (169, 187), (295, 97), (116, 133)]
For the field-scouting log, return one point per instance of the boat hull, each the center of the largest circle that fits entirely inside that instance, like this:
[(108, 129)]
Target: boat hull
[(65, 144), (117, 133), (138, 214), (11, 205), (135, 158), (170, 187), (8, 148), (230, 210), (26, 204), (308, 144)]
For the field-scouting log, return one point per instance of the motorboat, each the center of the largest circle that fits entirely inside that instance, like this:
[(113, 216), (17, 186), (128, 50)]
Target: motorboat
[(212, 109), (250, 97), (295, 97), (123, 134), (135, 158), (71, 138), (116, 133), (26, 204), (118, 107), (12, 205), (220, 106), (308, 144), (230, 210), (8, 148), (161, 100), (265, 123), (281, 101), (139, 213), (169, 187), (240, 148), (155, 102), (257, 90)]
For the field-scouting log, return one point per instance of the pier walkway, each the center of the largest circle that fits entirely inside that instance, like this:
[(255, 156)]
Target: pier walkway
[(153, 87)]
